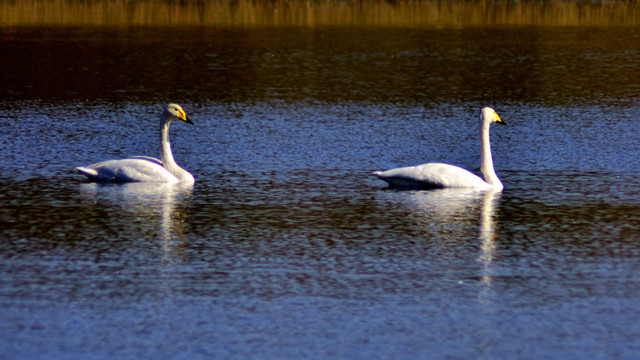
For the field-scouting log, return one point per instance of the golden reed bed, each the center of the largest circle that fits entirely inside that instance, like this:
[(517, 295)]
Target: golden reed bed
[(247, 13)]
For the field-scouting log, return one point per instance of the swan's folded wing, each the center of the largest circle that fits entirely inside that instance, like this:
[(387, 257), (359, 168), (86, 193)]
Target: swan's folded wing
[(128, 170), (432, 175), (147, 158)]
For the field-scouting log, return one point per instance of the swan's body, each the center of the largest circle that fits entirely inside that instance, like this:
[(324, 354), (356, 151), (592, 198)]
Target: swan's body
[(144, 168), (438, 175)]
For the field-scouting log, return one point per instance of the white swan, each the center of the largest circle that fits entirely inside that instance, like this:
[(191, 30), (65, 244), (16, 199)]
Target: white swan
[(144, 168), (438, 175)]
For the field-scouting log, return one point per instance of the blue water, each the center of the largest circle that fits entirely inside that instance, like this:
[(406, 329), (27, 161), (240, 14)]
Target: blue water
[(287, 247)]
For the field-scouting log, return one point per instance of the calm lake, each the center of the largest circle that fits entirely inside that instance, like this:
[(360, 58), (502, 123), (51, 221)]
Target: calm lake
[(286, 247)]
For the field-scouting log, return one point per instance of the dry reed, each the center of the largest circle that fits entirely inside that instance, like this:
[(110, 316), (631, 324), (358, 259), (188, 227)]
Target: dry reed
[(248, 13)]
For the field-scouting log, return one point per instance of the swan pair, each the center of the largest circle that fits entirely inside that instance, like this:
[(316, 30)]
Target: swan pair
[(430, 175)]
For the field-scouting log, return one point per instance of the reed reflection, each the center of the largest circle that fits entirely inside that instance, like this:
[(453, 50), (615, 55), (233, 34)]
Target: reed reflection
[(152, 204)]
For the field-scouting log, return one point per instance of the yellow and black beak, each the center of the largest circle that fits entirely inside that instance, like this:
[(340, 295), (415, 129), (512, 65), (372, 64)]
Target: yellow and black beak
[(498, 120), (183, 116)]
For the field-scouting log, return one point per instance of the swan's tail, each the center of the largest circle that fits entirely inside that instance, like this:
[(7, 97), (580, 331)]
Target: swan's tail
[(88, 172)]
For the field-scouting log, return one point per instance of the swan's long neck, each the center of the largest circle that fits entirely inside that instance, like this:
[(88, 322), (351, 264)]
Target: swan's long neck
[(486, 165), (165, 151)]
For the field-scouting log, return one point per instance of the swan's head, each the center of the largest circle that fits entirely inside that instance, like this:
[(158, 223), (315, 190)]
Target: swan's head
[(176, 112), (490, 116)]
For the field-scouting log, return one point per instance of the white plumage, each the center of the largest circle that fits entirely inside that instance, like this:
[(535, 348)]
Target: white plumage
[(439, 175), (145, 168)]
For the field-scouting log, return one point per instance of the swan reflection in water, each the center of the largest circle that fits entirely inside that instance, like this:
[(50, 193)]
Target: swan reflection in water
[(156, 205), (487, 235), (455, 214)]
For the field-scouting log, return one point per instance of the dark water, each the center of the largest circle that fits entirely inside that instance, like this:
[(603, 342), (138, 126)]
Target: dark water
[(286, 247)]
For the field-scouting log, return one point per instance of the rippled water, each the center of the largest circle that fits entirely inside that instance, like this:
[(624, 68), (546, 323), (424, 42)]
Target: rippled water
[(286, 246)]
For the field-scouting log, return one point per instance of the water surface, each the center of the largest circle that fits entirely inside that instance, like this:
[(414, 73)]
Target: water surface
[(286, 246)]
